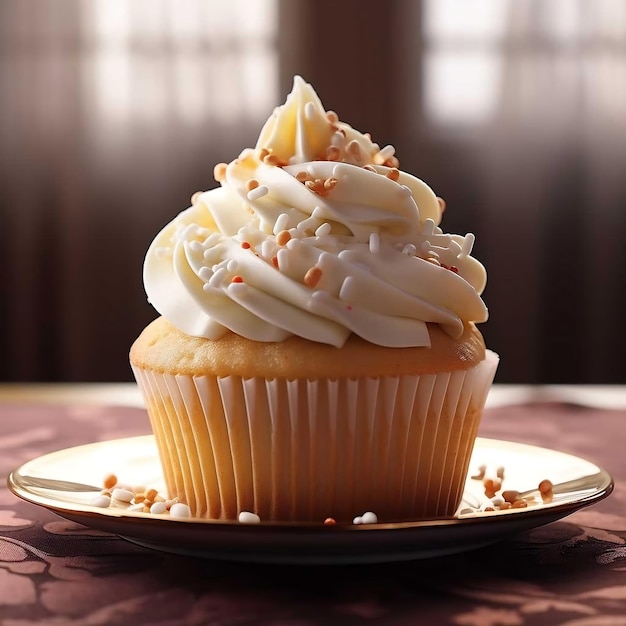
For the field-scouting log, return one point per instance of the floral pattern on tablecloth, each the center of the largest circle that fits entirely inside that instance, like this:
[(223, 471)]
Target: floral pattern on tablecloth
[(58, 573)]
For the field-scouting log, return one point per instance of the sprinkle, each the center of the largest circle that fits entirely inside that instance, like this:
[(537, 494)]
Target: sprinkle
[(196, 247), (246, 517), (257, 192), (281, 222), (283, 237), (428, 227), (369, 518), (245, 245), (482, 469), (323, 230), (393, 174), (253, 183), (510, 495), (312, 277), (101, 501), (468, 244), (329, 521), (232, 265), (301, 176), (332, 117), (272, 159), (374, 243), (275, 261), (519, 504), (442, 204), (261, 153), (369, 168), (385, 153), (136, 507), (409, 249), (237, 279), (158, 508), (546, 490), (500, 472), (357, 520), (180, 510), (196, 197), (123, 495), (109, 481), (355, 150), (219, 172), (338, 140)]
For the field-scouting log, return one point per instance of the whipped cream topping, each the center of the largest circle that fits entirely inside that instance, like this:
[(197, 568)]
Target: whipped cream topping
[(315, 232)]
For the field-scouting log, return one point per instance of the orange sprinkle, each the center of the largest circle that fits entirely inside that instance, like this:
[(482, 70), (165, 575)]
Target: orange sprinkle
[(393, 174), (275, 261), (237, 279), (510, 495), (301, 176), (262, 153), (330, 183), (519, 504), (245, 245), (329, 521), (253, 183), (283, 237), (151, 494), (312, 277), (219, 172), (110, 481)]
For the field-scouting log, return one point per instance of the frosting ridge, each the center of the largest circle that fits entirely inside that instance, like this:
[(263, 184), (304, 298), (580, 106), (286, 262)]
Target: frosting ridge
[(315, 232)]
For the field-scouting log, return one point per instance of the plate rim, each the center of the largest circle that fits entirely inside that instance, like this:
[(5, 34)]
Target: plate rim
[(604, 488)]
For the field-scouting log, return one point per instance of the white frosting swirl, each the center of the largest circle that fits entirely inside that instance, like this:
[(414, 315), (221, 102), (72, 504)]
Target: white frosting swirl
[(314, 233)]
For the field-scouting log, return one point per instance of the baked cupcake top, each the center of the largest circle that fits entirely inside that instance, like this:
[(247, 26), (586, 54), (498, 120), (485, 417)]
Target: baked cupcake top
[(316, 233)]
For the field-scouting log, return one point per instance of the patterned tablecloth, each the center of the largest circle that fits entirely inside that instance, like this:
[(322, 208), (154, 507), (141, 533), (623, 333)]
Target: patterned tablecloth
[(58, 573)]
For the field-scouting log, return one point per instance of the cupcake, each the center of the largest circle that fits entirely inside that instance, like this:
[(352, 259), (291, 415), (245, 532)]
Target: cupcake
[(316, 352)]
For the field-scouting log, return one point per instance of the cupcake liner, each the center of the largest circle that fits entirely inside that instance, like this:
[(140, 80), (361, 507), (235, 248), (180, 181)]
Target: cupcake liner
[(305, 450)]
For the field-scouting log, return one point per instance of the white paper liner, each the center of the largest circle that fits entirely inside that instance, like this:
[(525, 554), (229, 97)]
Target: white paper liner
[(306, 450)]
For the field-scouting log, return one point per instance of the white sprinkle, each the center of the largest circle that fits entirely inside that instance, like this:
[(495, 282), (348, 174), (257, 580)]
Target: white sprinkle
[(220, 275), (101, 501), (196, 197), (498, 500), (374, 243), (369, 518), (232, 265), (163, 251), (357, 520), (281, 223), (466, 511), (158, 507), (425, 246), (387, 152), (245, 517), (468, 244), (268, 248), (123, 495), (205, 274), (454, 247), (196, 247), (136, 507), (409, 249), (309, 222), (257, 192), (180, 510), (282, 256), (309, 111), (323, 230), (317, 212), (428, 228), (338, 140)]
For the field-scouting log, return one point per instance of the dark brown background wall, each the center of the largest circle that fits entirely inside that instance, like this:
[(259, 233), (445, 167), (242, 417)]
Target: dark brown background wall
[(110, 118)]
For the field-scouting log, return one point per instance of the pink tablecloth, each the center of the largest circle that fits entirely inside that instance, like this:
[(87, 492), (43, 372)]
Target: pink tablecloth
[(58, 573)]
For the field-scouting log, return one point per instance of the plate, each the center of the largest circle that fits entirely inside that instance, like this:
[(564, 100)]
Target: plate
[(50, 481)]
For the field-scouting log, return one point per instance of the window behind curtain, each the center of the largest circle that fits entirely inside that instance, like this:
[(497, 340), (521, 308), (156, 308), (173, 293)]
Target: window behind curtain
[(112, 112)]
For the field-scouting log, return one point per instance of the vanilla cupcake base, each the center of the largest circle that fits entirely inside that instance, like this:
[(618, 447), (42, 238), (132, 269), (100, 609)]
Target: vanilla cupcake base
[(305, 450)]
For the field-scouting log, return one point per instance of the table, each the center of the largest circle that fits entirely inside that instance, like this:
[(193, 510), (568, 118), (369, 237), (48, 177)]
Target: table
[(56, 572)]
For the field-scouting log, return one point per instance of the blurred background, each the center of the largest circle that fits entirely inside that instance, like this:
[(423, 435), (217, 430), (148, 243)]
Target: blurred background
[(113, 113)]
